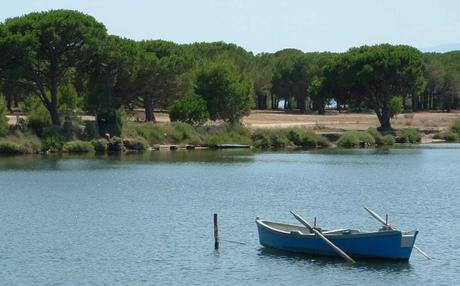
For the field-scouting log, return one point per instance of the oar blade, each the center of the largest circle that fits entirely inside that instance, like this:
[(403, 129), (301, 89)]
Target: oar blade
[(422, 252)]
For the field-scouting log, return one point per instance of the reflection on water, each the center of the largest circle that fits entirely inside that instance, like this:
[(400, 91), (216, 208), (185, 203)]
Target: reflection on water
[(383, 266), (107, 161)]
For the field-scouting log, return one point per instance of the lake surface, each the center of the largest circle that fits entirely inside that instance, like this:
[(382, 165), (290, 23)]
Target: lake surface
[(147, 219)]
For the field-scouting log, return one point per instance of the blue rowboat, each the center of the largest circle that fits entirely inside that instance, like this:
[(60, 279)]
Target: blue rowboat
[(385, 243)]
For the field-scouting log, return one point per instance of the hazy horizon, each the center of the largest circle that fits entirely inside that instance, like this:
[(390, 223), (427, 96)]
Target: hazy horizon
[(269, 26)]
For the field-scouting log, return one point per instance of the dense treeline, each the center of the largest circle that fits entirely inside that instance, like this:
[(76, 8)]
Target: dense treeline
[(59, 64)]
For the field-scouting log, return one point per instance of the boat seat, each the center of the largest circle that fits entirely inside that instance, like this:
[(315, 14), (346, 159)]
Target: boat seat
[(296, 232), (335, 231)]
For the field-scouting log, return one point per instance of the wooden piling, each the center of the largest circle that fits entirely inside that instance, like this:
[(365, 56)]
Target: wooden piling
[(216, 232)]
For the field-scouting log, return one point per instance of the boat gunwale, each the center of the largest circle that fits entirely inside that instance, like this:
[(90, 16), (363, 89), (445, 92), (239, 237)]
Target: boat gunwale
[(332, 235)]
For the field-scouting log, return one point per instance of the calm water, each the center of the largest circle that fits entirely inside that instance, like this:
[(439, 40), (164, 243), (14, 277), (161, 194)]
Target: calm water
[(147, 219)]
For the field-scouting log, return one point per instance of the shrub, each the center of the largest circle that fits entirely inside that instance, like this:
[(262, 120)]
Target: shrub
[(115, 144), (376, 134), (456, 127), (348, 140), (91, 130), (27, 142), (38, 119), (100, 145), (410, 135), (70, 130), (311, 139), (303, 138), (110, 122), (352, 139), (3, 118), (396, 106), (270, 138), (295, 136), (191, 109), (228, 134), (69, 102), (176, 132), (78, 146), (388, 140), (7, 147), (448, 136), (52, 138), (138, 143)]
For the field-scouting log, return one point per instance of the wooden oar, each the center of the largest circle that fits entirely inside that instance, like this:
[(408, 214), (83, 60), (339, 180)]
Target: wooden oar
[(382, 221), (320, 235)]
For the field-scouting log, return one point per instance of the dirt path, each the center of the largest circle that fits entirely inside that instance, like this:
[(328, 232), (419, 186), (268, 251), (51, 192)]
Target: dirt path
[(425, 121)]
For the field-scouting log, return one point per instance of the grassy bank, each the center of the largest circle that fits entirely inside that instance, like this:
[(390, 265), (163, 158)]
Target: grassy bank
[(141, 136)]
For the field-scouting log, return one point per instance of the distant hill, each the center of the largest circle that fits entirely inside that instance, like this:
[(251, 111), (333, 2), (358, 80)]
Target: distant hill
[(442, 48)]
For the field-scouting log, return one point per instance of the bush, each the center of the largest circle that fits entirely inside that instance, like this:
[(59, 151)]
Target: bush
[(115, 144), (228, 134), (172, 133), (110, 122), (191, 109), (91, 130), (38, 119), (7, 147), (138, 143), (456, 127), (351, 139), (52, 138), (376, 134), (78, 146), (270, 138), (388, 140), (396, 106), (70, 130), (348, 140), (410, 135), (69, 102), (3, 118), (310, 139), (26, 141), (100, 145), (448, 136)]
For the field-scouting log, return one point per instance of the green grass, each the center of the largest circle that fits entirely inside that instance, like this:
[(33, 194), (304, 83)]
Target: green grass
[(10, 148), (225, 134), (27, 142), (169, 133), (305, 138), (449, 136), (100, 145), (78, 146), (353, 139), (380, 140), (137, 144), (409, 135), (456, 127)]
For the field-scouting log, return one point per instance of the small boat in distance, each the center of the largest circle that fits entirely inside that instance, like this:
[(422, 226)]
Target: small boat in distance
[(386, 243)]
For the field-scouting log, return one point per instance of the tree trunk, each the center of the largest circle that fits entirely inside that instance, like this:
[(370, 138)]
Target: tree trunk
[(9, 100), (148, 108), (261, 101), (53, 110), (384, 119), (301, 104)]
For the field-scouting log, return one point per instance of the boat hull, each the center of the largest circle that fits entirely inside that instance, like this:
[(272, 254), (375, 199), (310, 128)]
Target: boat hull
[(389, 244)]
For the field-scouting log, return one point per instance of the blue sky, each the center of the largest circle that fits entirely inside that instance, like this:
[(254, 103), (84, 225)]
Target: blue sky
[(268, 25)]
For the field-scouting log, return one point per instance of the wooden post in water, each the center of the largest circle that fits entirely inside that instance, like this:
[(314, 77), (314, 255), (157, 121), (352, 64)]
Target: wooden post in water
[(216, 232)]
